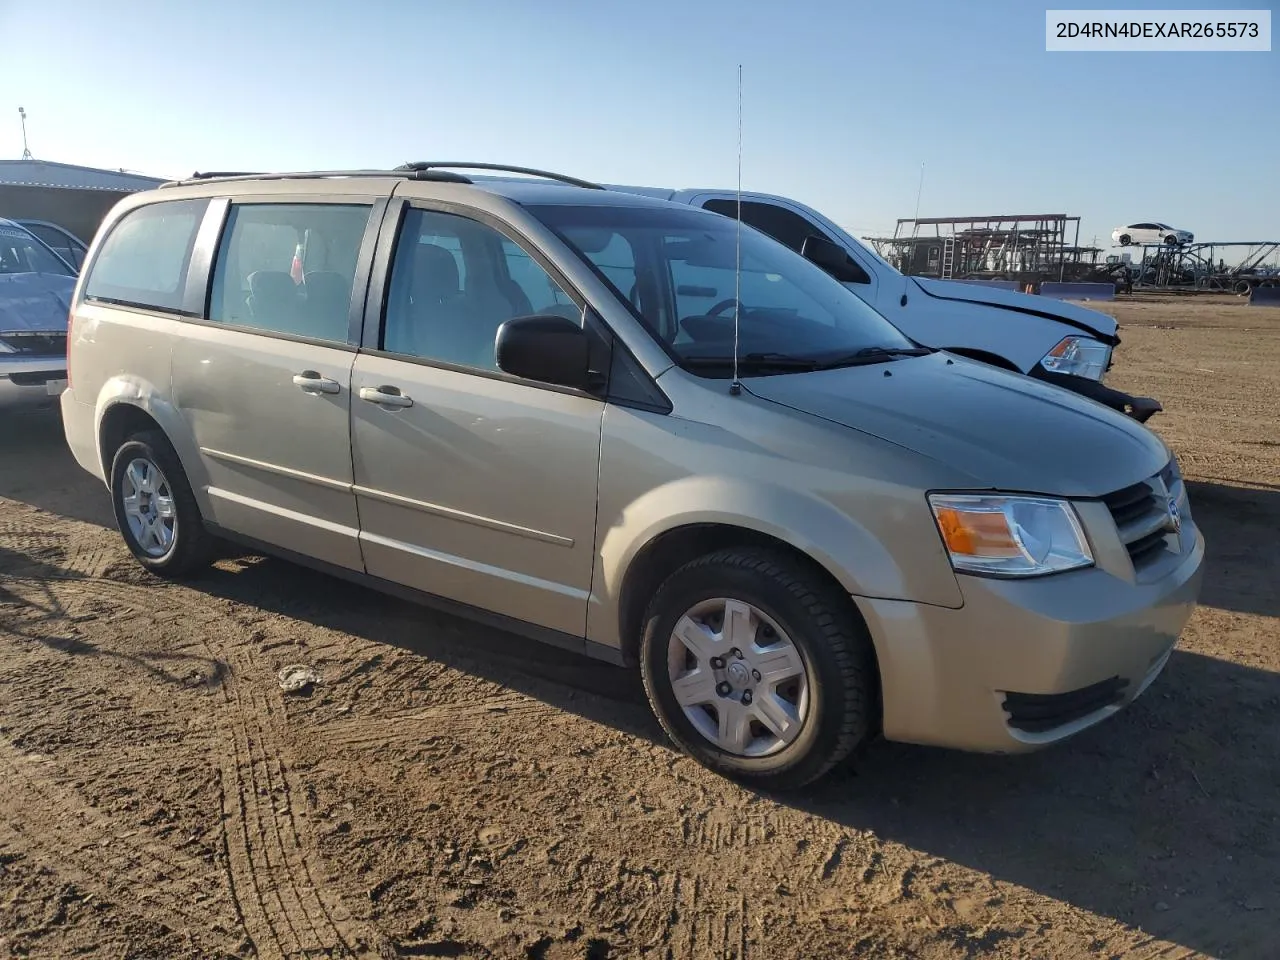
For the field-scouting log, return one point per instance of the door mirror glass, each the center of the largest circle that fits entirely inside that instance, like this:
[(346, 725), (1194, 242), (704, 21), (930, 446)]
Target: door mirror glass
[(834, 259), (546, 348)]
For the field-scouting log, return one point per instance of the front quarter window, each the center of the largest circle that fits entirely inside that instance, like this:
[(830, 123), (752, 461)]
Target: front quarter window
[(790, 311)]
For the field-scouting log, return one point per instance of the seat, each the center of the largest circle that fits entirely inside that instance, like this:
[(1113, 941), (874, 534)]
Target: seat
[(273, 300), (328, 304), (425, 309)]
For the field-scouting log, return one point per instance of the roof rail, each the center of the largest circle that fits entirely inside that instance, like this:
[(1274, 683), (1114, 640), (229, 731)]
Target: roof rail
[(222, 174), (425, 166), (318, 175)]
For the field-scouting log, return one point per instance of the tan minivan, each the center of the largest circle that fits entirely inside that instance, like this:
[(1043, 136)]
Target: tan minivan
[(633, 429)]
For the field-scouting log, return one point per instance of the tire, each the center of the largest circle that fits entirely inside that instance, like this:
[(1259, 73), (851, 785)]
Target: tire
[(837, 712), (1125, 240), (188, 546)]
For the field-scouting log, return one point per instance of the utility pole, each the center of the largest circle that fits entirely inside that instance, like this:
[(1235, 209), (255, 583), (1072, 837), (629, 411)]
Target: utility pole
[(26, 151)]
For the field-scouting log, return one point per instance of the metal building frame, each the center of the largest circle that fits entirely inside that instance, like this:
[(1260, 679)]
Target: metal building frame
[(1199, 265), (1023, 247)]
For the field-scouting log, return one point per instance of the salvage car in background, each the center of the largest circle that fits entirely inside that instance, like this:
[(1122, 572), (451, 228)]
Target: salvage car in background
[(35, 295)]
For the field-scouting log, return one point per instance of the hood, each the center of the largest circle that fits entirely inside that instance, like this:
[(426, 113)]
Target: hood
[(1089, 321), (34, 302), (1003, 430)]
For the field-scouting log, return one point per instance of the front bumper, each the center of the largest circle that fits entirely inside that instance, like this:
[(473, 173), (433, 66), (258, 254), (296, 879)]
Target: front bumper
[(25, 380), (1140, 408), (1027, 663)]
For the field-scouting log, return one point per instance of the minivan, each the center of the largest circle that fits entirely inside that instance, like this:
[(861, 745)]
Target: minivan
[(637, 430)]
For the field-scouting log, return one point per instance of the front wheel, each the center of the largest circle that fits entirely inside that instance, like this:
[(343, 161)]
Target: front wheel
[(1125, 239), (155, 509), (758, 669)]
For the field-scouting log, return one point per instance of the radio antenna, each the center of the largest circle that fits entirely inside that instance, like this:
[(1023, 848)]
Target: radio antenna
[(736, 386)]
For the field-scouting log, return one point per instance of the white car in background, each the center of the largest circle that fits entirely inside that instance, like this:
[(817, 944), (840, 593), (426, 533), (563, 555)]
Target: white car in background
[(1148, 233)]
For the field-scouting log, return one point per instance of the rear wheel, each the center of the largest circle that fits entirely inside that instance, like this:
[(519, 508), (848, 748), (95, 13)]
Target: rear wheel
[(155, 509), (758, 669)]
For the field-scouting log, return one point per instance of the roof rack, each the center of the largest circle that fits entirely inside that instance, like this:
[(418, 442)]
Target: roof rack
[(418, 170), (319, 175), (426, 166), (221, 174)]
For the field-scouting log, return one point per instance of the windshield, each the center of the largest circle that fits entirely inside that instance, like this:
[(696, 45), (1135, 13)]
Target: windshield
[(675, 267), (20, 252)]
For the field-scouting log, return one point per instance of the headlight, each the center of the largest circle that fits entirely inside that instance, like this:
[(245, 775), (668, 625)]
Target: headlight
[(1082, 356), (1010, 536)]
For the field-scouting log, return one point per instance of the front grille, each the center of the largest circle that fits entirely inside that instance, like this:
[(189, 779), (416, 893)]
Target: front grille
[(35, 344), (1131, 503), (1041, 712), (1141, 515)]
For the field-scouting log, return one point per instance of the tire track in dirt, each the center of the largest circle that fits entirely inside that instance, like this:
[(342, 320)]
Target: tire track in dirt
[(454, 719), (271, 891), (78, 839), (268, 860)]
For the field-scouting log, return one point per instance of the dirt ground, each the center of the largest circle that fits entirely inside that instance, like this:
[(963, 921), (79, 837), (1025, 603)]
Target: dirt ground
[(448, 791)]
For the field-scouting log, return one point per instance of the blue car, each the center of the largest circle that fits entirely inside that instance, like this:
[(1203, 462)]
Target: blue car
[(35, 295)]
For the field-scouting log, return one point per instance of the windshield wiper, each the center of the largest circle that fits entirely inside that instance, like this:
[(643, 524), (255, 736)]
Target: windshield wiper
[(757, 361), (874, 355)]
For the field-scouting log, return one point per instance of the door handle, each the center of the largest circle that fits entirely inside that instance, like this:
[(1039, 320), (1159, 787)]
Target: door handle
[(387, 396), (311, 381)]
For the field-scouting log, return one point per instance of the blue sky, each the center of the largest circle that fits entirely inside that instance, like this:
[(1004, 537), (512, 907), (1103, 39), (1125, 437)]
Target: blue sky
[(843, 101)]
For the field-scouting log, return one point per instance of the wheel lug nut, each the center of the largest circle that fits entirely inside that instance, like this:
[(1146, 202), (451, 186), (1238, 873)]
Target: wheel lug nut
[(717, 663), (737, 653), (746, 696), (756, 675), (723, 689)]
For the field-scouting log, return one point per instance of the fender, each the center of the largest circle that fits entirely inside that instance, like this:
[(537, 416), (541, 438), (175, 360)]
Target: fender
[(830, 537), (141, 393)]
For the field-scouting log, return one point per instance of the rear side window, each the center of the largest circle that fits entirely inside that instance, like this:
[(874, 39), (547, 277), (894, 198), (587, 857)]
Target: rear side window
[(143, 261), (778, 222), (289, 268)]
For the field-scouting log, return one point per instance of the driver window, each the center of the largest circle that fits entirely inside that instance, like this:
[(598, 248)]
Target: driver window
[(454, 282)]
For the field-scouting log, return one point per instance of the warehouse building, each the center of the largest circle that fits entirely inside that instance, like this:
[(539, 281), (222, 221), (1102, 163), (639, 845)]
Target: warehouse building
[(72, 197)]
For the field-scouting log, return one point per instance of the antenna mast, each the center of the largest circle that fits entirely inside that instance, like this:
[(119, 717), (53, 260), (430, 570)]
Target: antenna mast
[(26, 152), (919, 190), (736, 386)]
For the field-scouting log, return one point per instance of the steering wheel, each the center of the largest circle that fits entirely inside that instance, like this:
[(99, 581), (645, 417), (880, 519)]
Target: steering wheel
[(723, 305)]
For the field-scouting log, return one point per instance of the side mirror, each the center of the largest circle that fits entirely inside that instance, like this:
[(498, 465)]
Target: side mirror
[(546, 348), (834, 259)]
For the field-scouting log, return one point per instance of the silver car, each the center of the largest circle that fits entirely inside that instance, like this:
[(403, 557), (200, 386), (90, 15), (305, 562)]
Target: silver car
[(626, 427)]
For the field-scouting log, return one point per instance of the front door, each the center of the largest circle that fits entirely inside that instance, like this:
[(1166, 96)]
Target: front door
[(265, 382), (473, 485)]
